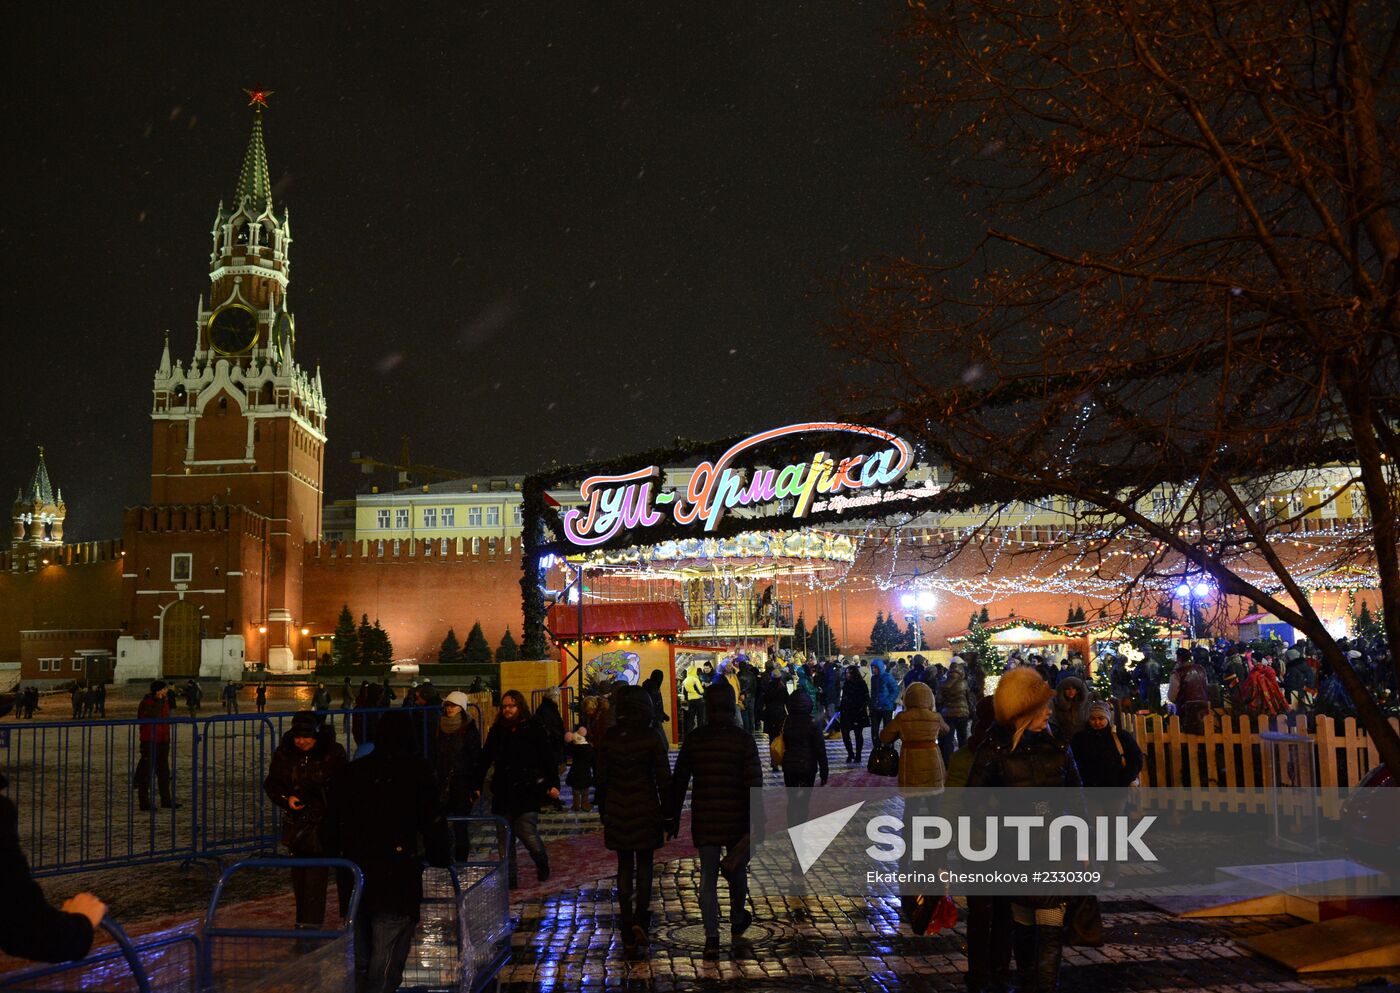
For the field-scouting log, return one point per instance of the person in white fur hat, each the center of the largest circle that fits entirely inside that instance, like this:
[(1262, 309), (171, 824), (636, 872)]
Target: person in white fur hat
[(455, 747), (580, 755)]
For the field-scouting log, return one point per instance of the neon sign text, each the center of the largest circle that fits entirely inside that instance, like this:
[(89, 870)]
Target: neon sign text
[(624, 502)]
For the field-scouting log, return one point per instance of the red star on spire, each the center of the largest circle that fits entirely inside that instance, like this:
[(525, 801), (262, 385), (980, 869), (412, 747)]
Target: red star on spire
[(257, 98)]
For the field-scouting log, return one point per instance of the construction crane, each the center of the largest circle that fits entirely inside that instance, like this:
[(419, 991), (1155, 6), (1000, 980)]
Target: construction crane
[(408, 473)]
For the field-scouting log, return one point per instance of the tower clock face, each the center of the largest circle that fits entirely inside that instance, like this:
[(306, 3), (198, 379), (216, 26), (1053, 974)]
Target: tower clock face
[(283, 334), (233, 330)]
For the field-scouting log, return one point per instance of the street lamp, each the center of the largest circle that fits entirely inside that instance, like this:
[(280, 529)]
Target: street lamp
[(918, 605), (1191, 592)]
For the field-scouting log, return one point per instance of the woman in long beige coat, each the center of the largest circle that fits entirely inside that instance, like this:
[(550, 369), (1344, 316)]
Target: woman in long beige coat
[(918, 726)]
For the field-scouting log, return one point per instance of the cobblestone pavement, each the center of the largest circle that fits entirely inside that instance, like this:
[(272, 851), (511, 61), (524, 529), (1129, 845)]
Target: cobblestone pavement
[(565, 931)]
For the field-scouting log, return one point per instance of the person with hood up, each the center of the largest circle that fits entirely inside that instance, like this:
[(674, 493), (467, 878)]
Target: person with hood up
[(1300, 679), (298, 781), (1071, 708), (454, 749), (884, 696), (918, 727), (633, 790), (855, 714), (526, 773), (724, 763), (653, 688), (692, 699), (804, 755), (1021, 751), (383, 815)]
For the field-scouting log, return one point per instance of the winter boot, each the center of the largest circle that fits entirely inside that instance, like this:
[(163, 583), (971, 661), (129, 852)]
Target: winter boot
[(578, 802), (542, 867)]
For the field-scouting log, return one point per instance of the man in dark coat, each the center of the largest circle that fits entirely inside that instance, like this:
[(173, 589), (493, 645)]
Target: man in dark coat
[(775, 696), (748, 689), (526, 772), (298, 781), (724, 762), (633, 789), (384, 817), (1189, 693), (29, 927)]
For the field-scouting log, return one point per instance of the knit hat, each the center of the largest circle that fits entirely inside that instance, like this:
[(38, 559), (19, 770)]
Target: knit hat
[(578, 736), (1101, 707), (157, 685), (459, 698), (1020, 692), (304, 724)]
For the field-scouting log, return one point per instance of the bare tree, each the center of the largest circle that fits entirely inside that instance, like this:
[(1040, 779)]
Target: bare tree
[(1188, 272)]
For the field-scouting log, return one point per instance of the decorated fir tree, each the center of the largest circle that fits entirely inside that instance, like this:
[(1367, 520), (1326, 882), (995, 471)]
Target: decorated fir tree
[(979, 644)]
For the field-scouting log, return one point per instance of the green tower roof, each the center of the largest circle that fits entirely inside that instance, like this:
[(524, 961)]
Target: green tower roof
[(40, 489), (253, 181)]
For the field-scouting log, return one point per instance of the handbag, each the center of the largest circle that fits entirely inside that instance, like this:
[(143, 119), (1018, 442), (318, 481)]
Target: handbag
[(884, 761), (737, 857), (777, 748), (931, 914), (1083, 922)]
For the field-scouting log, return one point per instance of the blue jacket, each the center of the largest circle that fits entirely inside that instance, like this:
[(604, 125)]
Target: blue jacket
[(884, 690)]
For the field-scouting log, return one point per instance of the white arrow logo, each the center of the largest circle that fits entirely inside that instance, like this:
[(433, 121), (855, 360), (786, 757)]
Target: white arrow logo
[(811, 838)]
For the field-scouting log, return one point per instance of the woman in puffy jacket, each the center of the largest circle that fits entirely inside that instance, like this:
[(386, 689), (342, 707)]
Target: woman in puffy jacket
[(633, 780), (297, 780), (1022, 751), (918, 727), (855, 713)]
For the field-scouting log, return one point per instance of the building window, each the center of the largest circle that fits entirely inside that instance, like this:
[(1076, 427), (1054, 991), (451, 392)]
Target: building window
[(507, 544), (473, 517), (519, 515), (401, 517), (181, 567), (77, 665), (383, 520), (396, 546), (379, 547), (444, 546), (449, 517), (430, 517), (491, 545), (493, 517), (476, 546)]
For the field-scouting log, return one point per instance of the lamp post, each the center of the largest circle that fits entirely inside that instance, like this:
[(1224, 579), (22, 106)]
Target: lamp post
[(1191, 592), (918, 606)]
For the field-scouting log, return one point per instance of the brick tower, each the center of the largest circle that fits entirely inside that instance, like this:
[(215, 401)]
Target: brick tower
[(241, 426)]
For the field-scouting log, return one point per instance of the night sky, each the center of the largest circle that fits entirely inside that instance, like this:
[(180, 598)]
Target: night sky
[(523, 232)]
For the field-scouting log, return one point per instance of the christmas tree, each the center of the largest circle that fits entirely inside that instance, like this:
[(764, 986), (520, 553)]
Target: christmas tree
[(822, 639), (508, 651)]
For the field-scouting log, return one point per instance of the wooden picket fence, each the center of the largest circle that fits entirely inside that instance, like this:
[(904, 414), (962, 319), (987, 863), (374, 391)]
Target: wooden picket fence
[(1233, 762)]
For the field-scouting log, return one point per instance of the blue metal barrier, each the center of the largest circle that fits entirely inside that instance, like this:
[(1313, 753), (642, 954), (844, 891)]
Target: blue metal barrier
[(166, 962), (75, 784)]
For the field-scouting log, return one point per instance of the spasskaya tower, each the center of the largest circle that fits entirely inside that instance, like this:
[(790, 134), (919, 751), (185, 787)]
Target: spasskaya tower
[(238, 431)]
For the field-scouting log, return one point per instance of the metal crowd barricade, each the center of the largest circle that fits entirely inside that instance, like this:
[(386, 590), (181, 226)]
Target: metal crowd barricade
[(166, 962), (290, 957), (463, 938), (75, 784), (235, 814)]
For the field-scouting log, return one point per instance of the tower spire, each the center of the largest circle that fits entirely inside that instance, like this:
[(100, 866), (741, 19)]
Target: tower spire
[(254, 182)]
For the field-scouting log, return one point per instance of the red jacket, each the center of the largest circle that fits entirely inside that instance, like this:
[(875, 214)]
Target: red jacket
[(151, 709)]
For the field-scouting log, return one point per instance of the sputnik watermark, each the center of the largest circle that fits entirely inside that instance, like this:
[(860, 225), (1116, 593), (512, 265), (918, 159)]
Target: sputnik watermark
[(1114, 839)]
